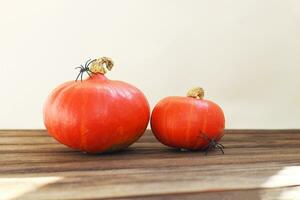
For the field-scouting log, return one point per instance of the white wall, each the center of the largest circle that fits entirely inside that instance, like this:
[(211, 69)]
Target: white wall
[(246, 54)]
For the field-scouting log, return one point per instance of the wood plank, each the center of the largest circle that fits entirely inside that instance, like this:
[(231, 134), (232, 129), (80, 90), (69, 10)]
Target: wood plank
[(122, 183), (257, 163), (251, 194)]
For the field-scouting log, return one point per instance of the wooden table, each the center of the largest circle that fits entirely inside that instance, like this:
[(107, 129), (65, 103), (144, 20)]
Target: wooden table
[(257, 164)]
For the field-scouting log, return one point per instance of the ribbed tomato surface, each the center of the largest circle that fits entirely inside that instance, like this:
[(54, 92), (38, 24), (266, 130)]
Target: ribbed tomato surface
[(97, 114), (186, 122)]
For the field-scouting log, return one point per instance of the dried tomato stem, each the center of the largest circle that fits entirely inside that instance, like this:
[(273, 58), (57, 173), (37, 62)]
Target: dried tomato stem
[(196, 92), (101, 65)]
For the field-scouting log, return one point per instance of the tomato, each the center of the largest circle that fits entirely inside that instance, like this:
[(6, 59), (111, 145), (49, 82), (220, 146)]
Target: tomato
[(187, 122), (97, 114)]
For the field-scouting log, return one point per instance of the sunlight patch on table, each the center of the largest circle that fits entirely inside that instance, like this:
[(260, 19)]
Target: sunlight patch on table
[(290, 193), (288, 177), (11, 188)]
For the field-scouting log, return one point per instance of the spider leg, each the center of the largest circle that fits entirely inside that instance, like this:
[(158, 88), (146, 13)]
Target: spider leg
[(208, 149), (80, 67), (80, 72), (220, 148), (78, 75), (81, 76), (85, 65), (221, 145), (88, 73), (90, 62)]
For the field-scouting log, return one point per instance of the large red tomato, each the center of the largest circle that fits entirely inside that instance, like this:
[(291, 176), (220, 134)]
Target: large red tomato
[(97, 114), (188, 122)]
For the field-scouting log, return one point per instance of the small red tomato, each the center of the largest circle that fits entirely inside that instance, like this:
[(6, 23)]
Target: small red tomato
[(188, 122), (97, 114)]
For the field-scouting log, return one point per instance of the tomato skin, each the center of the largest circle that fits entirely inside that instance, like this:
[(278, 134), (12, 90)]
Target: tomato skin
[(180, 122), (96, 115)]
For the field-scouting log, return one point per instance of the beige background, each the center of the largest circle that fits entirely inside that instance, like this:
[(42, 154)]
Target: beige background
[(246, 54)]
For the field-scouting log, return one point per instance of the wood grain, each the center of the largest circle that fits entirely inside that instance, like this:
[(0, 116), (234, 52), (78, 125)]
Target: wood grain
[(258, 164)]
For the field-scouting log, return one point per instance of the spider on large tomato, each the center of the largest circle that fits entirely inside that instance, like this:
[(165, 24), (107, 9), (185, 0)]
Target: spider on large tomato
[(84, 68)]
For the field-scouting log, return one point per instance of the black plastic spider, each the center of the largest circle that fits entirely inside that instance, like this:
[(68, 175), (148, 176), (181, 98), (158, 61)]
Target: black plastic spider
[(212, 144), (84, 68)]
